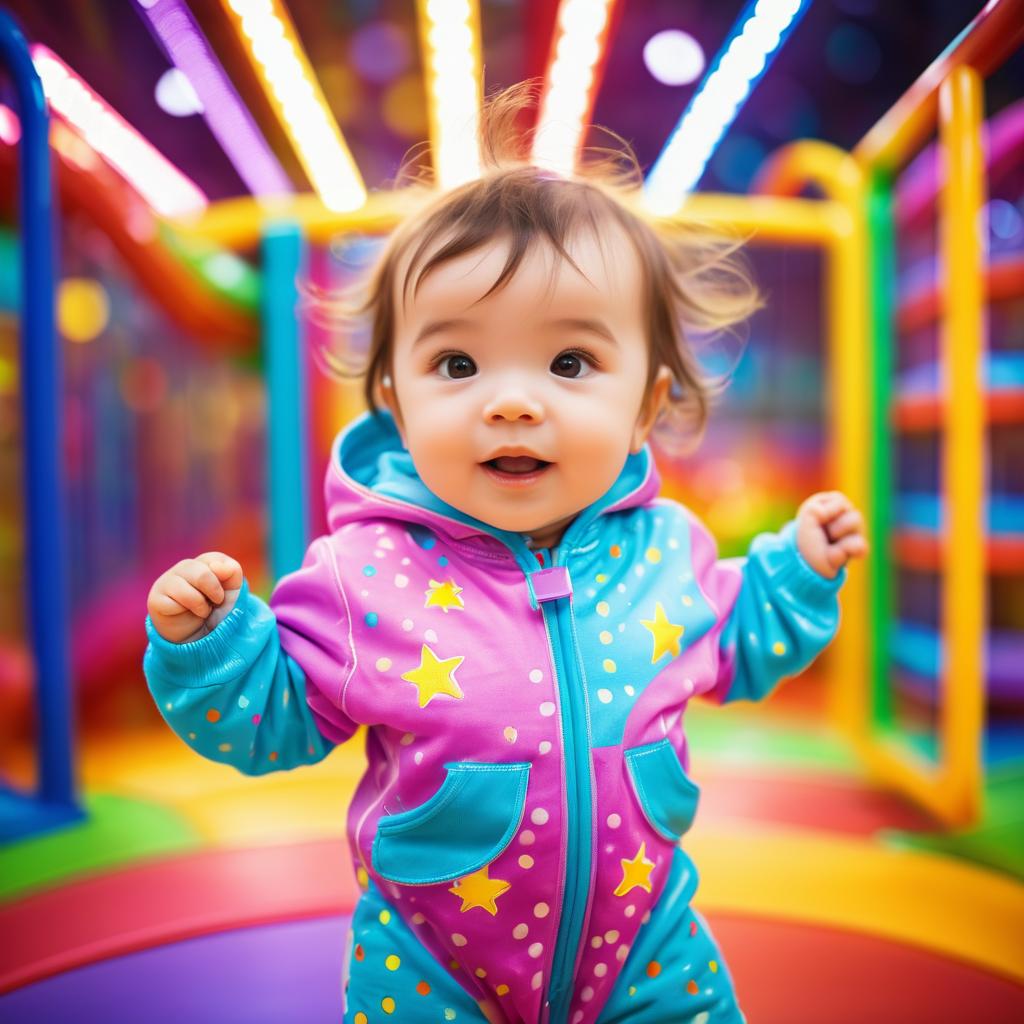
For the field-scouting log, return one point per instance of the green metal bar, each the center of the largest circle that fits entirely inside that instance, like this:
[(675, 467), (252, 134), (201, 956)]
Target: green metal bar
[(880, 567)]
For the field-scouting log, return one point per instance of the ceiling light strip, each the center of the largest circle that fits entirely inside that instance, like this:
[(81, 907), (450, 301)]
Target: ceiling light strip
[(757, 36), (268, 37), (230, 121), (571, 82), (148, 171), (450, 39)]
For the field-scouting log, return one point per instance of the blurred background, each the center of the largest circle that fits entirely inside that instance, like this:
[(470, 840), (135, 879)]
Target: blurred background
[(907, 738)]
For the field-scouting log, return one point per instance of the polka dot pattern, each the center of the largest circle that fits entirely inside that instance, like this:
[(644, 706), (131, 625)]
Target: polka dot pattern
[(616, 587)]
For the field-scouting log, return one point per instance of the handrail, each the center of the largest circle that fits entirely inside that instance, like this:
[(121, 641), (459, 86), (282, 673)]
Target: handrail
[(45, 519), (986, 43)]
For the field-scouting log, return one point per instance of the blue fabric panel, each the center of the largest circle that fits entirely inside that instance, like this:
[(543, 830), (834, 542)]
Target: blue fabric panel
[(666, 794), (234, 695), (785, 615), (462, 827)]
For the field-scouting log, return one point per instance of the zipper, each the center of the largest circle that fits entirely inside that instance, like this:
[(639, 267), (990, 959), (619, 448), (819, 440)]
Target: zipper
[(559, 625), (558, 622)]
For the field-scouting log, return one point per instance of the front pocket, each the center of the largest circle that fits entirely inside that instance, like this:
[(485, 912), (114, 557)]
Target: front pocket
[(462, 827), (667, 796)]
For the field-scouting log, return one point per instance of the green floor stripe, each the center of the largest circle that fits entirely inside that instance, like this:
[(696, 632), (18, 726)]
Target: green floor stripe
[(735, 735), (996, 842), (116, 831)]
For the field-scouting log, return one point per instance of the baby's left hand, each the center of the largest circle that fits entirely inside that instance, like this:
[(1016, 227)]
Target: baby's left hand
[(829, 532)]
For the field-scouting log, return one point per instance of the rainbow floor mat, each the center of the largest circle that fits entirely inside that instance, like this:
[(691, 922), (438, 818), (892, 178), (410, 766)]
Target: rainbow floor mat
[(194, 893)]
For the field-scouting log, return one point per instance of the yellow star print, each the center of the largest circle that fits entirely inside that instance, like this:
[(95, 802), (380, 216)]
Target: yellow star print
[(444, 596), (434, 676), (666, 634), (635, 872), (477, 890)]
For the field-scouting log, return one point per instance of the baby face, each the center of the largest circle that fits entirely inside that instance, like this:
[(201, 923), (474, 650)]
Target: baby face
[(550, 367)]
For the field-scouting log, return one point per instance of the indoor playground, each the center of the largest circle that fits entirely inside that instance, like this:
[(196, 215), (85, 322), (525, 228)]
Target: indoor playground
[(174, 176)]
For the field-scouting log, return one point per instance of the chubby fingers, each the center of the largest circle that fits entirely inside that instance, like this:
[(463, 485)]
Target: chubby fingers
[(826, 505), (176, 595), (195, 586), (226, 569), (844, 524), (853, 544)]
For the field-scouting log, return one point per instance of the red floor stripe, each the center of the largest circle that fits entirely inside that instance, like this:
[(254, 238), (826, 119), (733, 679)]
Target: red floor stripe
[(171, 899), (788, 973), (829, 805)]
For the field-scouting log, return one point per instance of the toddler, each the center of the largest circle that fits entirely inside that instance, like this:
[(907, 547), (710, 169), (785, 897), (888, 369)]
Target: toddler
[(518, 619)]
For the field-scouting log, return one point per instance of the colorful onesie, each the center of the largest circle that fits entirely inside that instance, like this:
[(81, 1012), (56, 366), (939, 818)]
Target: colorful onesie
[(516, 835)]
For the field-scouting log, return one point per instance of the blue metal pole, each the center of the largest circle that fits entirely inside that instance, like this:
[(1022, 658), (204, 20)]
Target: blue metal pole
[(45, 519), (286, 394)]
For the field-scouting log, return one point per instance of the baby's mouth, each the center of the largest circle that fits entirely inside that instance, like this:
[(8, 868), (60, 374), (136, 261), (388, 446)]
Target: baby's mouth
[(517, 465)]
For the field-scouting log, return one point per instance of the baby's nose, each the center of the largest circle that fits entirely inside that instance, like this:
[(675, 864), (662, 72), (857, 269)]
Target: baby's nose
[(513, 402)]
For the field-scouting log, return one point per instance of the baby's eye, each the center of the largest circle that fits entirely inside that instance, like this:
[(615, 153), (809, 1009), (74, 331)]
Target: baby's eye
[(459, 366), (571, 364)]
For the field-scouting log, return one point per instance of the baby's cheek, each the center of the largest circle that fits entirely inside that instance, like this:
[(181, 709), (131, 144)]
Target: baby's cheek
[(592, 460)]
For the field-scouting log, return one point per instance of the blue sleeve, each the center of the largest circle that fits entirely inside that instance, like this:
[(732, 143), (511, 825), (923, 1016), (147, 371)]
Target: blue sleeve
[(235, 695), (785, 613)]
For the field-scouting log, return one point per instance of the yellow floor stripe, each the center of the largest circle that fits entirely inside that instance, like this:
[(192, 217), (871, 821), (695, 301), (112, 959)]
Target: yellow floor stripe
[(937, 903), (944, 905)]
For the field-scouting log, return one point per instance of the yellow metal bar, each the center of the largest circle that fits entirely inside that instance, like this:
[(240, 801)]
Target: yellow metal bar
[(238, 223), (769, 219), (842, 180), (951, 789), (995, 34), (792, 168), (963, 592)]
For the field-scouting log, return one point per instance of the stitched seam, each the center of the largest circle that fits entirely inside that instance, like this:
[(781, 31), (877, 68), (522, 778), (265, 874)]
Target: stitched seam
[(454, 782), (343, 685), (385, 499), (655, 748), (645, 800), (496, 850), (632, 757)]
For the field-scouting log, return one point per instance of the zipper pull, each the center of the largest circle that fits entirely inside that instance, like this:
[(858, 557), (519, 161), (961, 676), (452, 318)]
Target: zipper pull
[(549, 585)]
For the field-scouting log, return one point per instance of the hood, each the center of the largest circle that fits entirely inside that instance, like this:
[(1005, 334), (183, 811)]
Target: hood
[(371, 476)]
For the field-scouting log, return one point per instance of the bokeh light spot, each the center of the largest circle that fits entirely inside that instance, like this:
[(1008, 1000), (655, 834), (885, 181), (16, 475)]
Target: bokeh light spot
[(175, 94), (404, 107), (674, 57), (83, 309), (381, 51), (852, 54)]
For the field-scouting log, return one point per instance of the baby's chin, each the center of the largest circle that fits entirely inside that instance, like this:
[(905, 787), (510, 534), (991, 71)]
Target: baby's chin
[(508, 521), (537, 531)]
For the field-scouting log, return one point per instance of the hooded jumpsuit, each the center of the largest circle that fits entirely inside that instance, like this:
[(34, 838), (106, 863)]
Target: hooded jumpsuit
[(516, 834)]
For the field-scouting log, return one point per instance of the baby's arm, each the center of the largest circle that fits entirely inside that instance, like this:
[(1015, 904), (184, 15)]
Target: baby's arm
[(774, 613), (260, 691)]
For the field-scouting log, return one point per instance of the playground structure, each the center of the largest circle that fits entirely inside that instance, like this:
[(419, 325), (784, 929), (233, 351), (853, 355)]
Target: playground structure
[(888, 672)]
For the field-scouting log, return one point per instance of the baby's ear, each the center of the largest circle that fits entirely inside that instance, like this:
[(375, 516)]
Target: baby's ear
[(386, 395), (653, 404)]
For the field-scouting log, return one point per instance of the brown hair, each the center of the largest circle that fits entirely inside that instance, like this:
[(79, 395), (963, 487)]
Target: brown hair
[(693, 280)]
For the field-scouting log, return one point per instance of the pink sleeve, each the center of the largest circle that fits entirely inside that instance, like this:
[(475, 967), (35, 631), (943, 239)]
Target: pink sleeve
[(773, 613), (719, 582), (315, 630)]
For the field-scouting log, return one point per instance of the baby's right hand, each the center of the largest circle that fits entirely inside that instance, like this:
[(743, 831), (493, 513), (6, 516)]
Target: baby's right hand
[(188, 600)]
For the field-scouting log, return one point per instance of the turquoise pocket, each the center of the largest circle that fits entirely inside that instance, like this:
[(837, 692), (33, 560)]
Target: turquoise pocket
[(667, 796), (462, 827)]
